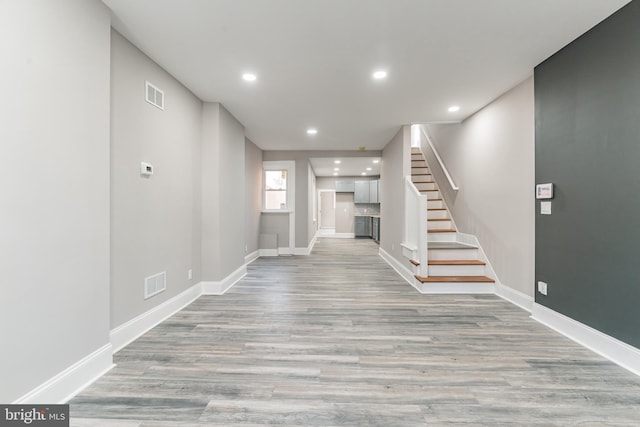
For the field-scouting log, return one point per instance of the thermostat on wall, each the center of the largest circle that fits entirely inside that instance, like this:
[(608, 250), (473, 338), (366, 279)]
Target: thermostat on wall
[(146, 169)]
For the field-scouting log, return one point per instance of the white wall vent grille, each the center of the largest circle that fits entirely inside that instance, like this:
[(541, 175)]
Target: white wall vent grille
[(155, 284), (154, 96)]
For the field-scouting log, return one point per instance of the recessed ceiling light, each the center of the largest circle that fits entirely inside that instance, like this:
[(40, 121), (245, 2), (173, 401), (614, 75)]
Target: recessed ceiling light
[(363, 173), (312, 131), (337, 162), (368, 169), (335, 174), (376, 161), (378, 75), (454, 108), (250, 77), (336, 169)]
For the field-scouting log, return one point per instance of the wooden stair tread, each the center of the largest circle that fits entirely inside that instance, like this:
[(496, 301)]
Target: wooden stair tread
[(436, 209), (446, 230), (455, 262), (455, 279), (450, 262), (439, 219), (449, 245)]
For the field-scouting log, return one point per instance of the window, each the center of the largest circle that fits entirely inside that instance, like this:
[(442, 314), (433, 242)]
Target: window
[(278, 180), (275, 189)]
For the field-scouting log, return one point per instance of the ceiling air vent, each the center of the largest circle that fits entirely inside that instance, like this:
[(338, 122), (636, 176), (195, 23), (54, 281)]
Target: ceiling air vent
[(154, 96), (155, 284)]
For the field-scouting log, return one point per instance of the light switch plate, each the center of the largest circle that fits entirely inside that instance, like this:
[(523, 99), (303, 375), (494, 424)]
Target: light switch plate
[(545, 208)]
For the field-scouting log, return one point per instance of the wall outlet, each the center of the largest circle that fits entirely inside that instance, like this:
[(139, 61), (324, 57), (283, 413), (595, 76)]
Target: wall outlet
[(542, 288), (190, 274)]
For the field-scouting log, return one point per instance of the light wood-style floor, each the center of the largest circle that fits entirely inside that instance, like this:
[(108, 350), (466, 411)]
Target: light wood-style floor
[(338, 339)]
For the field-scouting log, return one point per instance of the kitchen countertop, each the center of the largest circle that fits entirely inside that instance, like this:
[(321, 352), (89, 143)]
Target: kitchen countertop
[(371, 215)]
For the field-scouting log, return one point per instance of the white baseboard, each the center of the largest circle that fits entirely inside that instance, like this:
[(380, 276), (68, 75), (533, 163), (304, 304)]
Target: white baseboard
[(343, 236), (267, 252), (308, 249), (136, 327), (248, 259), (402, 270), (514, 297), (64, 386), (606, 346), (222, 286)]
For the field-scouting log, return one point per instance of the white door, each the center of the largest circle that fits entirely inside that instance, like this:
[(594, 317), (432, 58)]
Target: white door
[(327, 209)]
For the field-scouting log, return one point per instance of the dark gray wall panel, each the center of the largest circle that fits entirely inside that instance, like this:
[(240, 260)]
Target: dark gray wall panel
[(588, 145)]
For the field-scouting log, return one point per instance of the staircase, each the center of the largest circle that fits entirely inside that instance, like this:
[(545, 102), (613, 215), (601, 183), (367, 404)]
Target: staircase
[(455, 262)]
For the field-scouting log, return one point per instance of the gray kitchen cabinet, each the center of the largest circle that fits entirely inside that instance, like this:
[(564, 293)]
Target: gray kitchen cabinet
[(362, 226), (373, 191), (375, 229), (362, 192), (345, 186)]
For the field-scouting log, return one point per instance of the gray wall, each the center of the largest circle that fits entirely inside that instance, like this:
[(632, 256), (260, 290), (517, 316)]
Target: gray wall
[(223, 193), (491, 158), (396, 164), (587, 129), (153, 220), (54, 181), (253, 195)]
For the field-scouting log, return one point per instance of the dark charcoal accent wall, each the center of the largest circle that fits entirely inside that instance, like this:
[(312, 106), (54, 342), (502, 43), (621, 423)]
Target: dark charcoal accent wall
[(588, 145)]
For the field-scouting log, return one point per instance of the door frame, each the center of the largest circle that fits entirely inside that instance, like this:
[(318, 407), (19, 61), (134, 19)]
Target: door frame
[(320, 208)]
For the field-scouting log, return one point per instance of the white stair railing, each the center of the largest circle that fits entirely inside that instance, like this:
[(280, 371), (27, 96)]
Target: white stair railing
[(415, 225), (429, 143)]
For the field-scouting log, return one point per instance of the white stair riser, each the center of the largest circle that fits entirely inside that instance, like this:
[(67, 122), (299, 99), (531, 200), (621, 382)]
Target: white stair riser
[(456, 270), (452, 254), (421, 178), (420, 170), (439, 225), (435, 204), (416, 162), (432, 195), (437, 214), (456, 288), (441, 237), (422, 186)]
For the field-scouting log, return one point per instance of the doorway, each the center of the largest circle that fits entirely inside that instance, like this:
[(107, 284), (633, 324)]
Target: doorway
[(327, 212)]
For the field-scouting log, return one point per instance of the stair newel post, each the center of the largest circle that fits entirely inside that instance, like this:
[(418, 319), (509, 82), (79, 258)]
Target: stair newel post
[(422, 239)]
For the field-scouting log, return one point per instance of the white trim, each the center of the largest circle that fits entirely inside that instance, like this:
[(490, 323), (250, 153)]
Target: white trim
[(443, 167), (343, 236), (128, 332), (285, 251), (308, 249), (319, 207), (327, 232), (68, 383), (470, 288), (606, 346), (267, 252), (518, 298), (248, 259), (402, 270), (221, 286), (290, 167)]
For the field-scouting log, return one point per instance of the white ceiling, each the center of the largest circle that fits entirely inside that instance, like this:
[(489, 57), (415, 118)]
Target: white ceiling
[(350, 166), (314, 58)]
